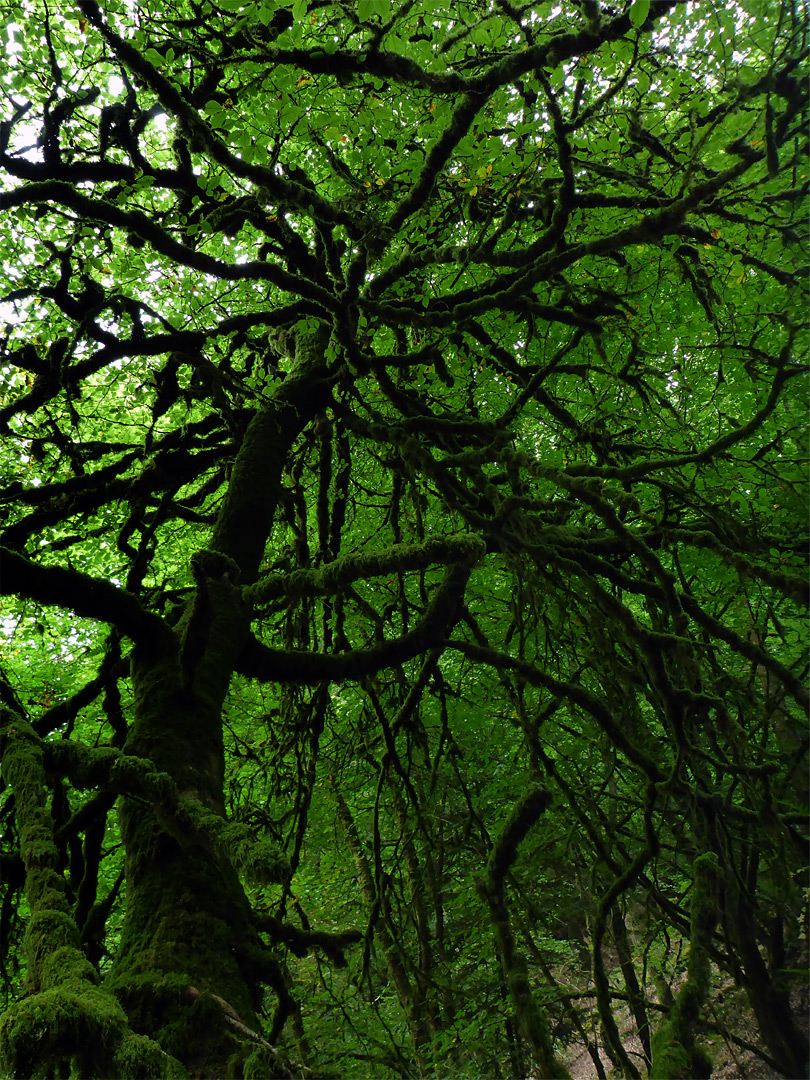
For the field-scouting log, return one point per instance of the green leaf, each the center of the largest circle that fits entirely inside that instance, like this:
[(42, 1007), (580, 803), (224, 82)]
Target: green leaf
[(368, 8), (639, 11)]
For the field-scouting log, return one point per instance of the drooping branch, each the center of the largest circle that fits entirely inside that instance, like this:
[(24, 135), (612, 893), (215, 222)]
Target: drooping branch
[(534, 802), (573, 692)]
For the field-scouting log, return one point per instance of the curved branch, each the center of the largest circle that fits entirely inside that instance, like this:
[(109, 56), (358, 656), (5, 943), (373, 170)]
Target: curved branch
[(260, 662)]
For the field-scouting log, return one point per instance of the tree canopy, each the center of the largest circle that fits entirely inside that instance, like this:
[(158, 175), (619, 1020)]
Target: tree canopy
[(403, 537)]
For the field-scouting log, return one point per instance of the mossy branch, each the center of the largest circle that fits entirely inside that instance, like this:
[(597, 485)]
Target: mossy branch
[(336, 575), (67, 1016), (191, 823), (302, 942), (534, 802), (674, 1051), (570, 691)]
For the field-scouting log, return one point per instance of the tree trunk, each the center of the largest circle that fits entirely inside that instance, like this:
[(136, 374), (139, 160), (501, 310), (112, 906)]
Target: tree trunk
[(190, 955)]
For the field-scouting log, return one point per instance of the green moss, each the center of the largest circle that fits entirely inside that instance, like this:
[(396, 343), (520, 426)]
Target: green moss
[(670, 1056), (60, 964), (47, 931), (187, 932), (201, 1033), (44, 887), (262, 1063), (261, 860), (140, 1058), (674, 1050), (73, 1020)]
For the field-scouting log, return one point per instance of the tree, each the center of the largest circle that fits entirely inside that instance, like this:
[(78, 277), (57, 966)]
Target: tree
[(403, 480)]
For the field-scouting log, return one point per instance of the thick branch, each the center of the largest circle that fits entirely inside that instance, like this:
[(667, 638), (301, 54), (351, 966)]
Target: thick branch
[(336, 575)]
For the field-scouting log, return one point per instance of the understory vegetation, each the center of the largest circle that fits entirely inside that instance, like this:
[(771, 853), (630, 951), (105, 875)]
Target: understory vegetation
[(403, 521)]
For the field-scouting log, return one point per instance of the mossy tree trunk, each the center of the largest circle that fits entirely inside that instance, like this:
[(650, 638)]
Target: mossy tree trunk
[(190, 953)]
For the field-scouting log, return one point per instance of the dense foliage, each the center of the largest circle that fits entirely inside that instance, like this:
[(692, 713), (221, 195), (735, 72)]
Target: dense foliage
[(404, 531)]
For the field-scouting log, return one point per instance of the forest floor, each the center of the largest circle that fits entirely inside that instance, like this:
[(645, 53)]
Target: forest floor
[(729, 1008)]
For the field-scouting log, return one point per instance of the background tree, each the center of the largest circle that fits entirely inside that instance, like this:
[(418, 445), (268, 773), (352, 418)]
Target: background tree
[(403, 477)]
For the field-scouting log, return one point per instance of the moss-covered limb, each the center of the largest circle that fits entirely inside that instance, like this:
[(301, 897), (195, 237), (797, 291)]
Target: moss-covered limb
[(182, 457), (675, 1053), (94, 831), (135, 222), (612, 1036), (188, 820), (459, 123), (64, 713), (336, 575), (534, 802), (246, 517), (791, 586), (749, 650), (284, 191), (380, 63), (75, 1020), (188, 922), (620, 885), (381, 929), (67, 1016), (531, 1021), (448, 429), (105, 768), (260, 859), (306, 668), (56, 502), (423, 969), (302, 942), (509, 290), (137, 1056), (51, 928), (91, 597)]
